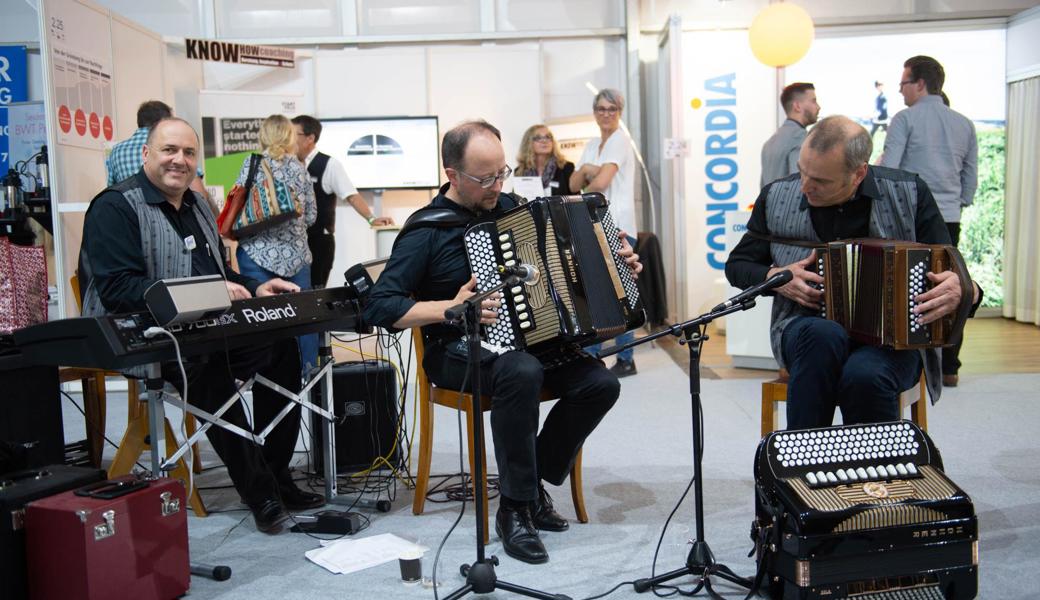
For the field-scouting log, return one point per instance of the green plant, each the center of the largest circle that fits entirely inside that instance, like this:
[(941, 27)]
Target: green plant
[(982, 223)]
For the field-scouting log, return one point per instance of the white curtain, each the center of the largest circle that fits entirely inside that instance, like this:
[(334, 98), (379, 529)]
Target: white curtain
[(1022, 203)]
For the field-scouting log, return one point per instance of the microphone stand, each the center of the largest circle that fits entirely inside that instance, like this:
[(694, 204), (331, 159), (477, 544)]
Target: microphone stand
[(700, 562), (480, 576)]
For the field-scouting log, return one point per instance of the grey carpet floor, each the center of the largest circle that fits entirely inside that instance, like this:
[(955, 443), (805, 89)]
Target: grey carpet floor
[(636, 466)]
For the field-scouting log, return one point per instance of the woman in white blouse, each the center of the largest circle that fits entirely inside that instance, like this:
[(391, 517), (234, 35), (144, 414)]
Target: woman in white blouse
[(281, 250)]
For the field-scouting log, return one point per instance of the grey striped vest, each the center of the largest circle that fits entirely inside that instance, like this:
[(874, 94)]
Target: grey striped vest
[(891, 217), (163, 248)]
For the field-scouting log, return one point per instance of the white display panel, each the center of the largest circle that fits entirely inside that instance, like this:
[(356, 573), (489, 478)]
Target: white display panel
[(385, 153)]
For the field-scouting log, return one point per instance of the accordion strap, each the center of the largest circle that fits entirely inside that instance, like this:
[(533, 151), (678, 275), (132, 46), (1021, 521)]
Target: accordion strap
[(786, 241)]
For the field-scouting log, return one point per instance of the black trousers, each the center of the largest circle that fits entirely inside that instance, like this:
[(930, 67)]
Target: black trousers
[(951, 362), (323, 251), (255, 471), (587, 390)]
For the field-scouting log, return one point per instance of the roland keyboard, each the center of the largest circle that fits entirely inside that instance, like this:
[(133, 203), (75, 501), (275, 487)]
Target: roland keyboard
[(118, 341)]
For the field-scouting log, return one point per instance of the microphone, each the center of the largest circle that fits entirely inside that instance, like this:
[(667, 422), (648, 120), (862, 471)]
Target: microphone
[(775, 281), (216, 573), (525, 273)]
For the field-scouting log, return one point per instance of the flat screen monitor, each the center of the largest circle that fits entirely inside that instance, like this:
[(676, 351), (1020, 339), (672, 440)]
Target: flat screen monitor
[(385, 152)]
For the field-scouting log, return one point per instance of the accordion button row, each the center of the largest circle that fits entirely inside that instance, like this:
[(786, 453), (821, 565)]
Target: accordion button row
[(861, 474)]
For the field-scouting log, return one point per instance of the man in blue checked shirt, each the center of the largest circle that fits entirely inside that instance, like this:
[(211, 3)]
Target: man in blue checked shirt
[(125, 159)]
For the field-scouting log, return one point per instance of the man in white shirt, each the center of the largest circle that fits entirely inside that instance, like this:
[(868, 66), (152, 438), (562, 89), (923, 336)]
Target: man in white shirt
[(331, 184), (939, 144)]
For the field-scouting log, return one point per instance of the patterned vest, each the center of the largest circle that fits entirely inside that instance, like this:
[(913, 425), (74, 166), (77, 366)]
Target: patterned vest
[(891, 217)]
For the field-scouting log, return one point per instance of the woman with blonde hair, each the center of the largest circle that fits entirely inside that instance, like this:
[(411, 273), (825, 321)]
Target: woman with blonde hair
[(539, 156), (281, 250)]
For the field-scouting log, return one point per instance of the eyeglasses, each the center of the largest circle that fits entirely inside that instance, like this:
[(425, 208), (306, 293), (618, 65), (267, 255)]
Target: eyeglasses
[(606, 110), (908, 82), (490, 180), (541, 138)]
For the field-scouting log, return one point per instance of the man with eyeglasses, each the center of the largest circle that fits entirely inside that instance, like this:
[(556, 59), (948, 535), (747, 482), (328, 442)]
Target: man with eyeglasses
[(428, 273), (939, 144), (836, 195), (780, 152)]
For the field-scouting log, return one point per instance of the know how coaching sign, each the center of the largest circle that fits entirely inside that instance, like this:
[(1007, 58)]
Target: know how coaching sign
[(246, 54)]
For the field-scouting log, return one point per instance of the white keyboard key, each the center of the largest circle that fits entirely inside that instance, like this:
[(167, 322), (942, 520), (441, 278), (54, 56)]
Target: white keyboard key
[(892, 471), (872, 473), (852, 474), (862, 473), (811, 478), (516, 289), (842, 476), (881, 472), (525, 324), (901, 470), (831, 478), (821, 476), (507, 255), (911, 468), (521, 307)]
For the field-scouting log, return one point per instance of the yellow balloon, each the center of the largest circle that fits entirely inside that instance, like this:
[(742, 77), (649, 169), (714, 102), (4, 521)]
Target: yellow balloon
[(781, 34)]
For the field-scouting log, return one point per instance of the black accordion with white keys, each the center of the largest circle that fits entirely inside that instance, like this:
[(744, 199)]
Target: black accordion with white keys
[(584, 292), (864, 512)]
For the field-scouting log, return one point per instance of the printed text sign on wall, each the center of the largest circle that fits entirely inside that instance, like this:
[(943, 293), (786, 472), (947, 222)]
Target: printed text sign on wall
[(246, 54)]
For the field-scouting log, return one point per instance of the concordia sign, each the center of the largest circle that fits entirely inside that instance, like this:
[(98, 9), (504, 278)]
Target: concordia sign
[(246, 54)]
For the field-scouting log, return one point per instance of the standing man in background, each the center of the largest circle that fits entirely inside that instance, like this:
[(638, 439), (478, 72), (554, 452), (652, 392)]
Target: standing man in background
[(939, 144), (125, 159), (880, 120), (780, 152), (331, 183)]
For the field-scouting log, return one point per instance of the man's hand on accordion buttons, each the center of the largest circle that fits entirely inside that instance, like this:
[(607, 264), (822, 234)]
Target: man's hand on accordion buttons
[(804, 282), (942, 299), (489, 306), (630, 256)]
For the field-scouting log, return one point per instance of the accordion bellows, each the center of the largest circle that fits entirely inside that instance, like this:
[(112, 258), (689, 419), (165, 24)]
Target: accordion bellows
[(870, 286)]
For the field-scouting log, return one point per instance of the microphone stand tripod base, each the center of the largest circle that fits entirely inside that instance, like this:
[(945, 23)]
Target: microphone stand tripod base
[(700, 563)]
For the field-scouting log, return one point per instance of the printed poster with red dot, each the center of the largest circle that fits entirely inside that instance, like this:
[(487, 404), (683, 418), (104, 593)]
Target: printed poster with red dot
[(83, 94)]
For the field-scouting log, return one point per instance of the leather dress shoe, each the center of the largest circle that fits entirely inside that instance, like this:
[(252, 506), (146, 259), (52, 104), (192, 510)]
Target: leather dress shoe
[(950, 380), (623, 368), (293, 498), (269, 516), (519, 536), (545, 516)]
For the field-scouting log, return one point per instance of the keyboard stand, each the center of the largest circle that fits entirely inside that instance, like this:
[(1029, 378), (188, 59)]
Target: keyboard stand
[(323, 378)]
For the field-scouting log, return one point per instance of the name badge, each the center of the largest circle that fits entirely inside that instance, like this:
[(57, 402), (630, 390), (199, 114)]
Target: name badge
[(189, 242)]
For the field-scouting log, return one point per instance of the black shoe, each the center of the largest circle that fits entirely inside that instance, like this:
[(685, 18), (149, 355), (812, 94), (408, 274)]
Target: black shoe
[(293, 498), (950, 380), (623, 368), (545, 516), (519, 536), (269, 516)]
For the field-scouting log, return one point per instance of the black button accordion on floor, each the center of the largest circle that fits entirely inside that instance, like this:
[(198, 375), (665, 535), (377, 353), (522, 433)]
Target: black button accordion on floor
[(864, 512)]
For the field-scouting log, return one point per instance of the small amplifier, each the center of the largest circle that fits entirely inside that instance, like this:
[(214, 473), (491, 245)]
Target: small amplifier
[(364, 395)]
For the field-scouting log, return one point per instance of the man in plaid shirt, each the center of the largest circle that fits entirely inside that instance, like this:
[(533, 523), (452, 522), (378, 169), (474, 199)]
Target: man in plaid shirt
[(125, 159)]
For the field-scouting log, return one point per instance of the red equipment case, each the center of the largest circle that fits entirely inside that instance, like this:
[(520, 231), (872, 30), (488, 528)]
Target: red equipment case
[(124, 538)]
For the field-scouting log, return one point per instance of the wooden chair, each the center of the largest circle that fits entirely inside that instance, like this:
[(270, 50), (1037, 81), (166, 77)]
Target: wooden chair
[(429, 395), (774, 392), (134, 441)]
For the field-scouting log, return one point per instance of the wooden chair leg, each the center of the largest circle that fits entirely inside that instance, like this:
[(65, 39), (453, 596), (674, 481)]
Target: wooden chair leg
[(94, 414), (134, 445), (919, 409), (190, 426), (577, 492), (422, 480)]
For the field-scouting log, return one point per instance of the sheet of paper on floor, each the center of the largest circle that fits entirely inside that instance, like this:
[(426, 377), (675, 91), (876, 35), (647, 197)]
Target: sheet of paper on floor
[(350, 555)]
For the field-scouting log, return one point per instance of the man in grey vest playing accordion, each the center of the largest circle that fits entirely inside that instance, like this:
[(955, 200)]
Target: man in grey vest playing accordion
[(836, 196)]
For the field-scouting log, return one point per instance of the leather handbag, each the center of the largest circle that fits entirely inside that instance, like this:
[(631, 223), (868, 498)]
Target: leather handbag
[(268, 203), (236, 199)]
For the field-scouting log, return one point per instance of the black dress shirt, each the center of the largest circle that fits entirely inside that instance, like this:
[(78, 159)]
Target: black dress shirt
[(427, 263), (112, 241), (750, 261)]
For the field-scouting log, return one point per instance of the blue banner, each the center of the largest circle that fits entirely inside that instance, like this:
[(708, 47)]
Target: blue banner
[(14, 87)]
